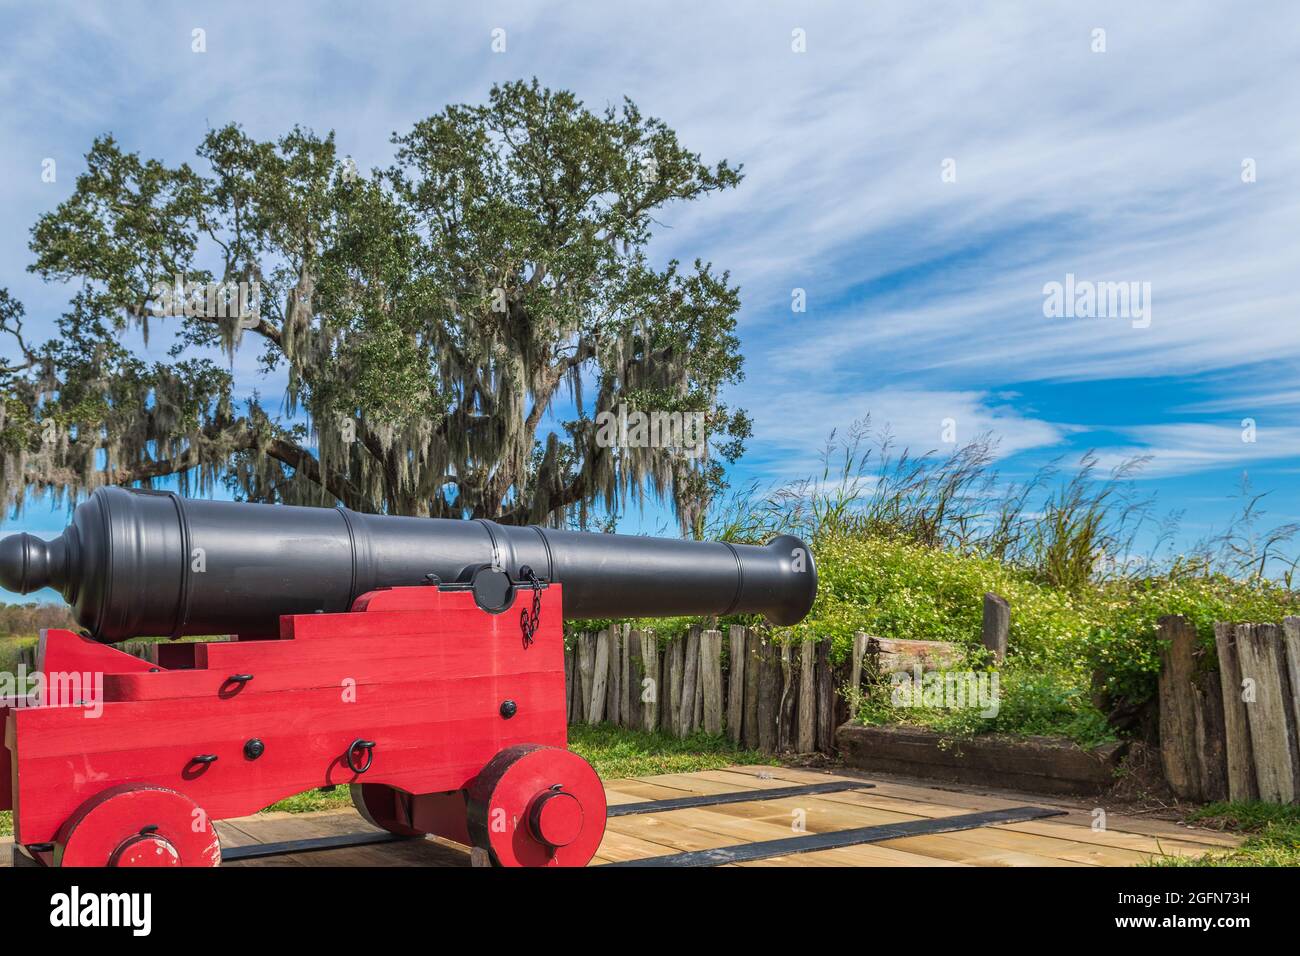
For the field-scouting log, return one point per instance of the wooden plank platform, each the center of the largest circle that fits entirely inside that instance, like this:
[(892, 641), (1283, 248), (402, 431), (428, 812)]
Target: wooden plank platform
[(1068, 840)]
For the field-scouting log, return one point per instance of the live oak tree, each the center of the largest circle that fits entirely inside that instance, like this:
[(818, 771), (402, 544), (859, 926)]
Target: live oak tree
[(427, 316)]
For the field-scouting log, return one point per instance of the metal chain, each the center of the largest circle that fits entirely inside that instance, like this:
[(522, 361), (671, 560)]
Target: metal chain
[(528, 623)]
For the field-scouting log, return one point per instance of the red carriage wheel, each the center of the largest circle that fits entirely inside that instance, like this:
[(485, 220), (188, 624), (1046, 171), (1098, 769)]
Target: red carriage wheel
[(537, 806), (385, 807), (138, 826)]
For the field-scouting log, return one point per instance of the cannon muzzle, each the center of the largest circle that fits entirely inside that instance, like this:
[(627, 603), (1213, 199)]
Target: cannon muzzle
[(147, 563)]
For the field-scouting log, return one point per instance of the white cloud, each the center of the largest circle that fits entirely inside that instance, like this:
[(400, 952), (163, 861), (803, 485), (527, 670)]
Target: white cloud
[(792, 427), (1182, 448)]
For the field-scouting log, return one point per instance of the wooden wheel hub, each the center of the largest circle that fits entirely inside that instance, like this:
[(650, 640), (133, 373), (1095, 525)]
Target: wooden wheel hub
[(537, 806), (555, 818), (138, 826)]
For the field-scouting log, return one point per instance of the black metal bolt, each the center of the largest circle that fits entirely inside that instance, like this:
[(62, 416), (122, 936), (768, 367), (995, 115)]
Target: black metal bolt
[(254, 749), (508, 709)]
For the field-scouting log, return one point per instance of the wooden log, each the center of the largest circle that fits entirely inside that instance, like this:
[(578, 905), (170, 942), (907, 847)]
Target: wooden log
[(753, 665), (855, 669), (997, 626), (893, 655), (825, 699), (769, 697), (1259, 648), (786, 732), (613, 690), (735, 681), (599, 678), (1178, 753), (653, 680), (1036, 764), (690, 677), (806, 737), (625, 679), (711, 680), (1240, 759), (635, 675)]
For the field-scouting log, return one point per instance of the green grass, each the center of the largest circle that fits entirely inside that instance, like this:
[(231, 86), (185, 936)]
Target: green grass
[(312, 800), (1273, 835), (617, 753)]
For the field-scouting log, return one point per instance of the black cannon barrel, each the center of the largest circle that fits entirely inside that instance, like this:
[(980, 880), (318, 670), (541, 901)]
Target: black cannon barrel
[(135, 563)]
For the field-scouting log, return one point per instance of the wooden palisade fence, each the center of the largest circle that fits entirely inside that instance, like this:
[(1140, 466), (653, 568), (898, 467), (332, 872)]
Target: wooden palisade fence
[(761, 695), (1230, 721)]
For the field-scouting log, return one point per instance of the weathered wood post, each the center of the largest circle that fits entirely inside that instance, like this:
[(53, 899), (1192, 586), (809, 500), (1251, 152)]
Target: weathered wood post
[(675, 653), (1181, 732), (855, 669), (1291, 645), (1240, 756), (825, 699), (753, 664), (599, 677), (625, 679), (690, 676), (697, 717), (806, 738), (586, 665), (735, 681), (568, 684), (711, 674), (785, 734), (769, 697), (650, 683), (613, 687), (1259, 648), (636, 673), (997, 625)]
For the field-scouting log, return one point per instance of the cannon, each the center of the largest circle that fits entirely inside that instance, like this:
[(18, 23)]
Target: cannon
[(420, 661)]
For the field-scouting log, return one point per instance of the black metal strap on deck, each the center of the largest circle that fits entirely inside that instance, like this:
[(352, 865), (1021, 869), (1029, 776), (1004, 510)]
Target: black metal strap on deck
[(739, 796), (256, 850), (812, 842)]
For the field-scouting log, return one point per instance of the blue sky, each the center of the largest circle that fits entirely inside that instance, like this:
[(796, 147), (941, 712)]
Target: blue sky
[(924, 296)]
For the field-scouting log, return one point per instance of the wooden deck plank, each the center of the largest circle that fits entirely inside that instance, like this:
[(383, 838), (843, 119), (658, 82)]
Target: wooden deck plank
[(946, 846), (870, 854), (1116, 838)]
